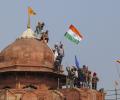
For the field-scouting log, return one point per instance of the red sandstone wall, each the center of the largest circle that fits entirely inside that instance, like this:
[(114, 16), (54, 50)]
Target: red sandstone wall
[(20, 81), (82, 94), (69, 94)]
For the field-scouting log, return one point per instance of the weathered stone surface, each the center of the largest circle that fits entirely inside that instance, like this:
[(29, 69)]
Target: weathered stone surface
[(82, 94), (65, 94), (41, 80), (27, 55)]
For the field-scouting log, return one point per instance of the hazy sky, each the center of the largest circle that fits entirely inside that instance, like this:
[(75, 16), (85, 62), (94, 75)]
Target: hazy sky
[(98, 21)]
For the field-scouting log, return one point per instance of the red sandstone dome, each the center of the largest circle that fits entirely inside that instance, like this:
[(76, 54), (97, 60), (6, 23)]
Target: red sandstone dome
[(27, 54)]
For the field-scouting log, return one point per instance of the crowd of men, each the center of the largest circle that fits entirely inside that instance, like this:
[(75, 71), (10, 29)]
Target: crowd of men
[(82, 77), (77, 77), (40, 34)]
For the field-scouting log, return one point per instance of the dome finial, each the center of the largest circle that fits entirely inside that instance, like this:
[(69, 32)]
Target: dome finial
[(29, 33)]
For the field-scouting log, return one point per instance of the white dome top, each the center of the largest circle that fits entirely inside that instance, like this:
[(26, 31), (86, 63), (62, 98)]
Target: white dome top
[(28, 34)]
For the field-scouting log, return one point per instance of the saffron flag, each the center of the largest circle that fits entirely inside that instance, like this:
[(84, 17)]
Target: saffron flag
[(76, 62), (118, 61), (73, 35), (31, 12)]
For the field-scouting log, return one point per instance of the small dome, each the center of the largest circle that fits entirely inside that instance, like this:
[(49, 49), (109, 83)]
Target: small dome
[(28, 34), (31, 53)]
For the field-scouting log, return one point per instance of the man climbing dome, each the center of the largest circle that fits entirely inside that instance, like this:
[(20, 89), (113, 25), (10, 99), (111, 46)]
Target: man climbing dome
[(58, 55), (45, 36), (39, 28)]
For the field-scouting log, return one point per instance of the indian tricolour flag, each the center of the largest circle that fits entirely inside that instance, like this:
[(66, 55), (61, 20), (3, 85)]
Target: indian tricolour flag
[(73, 35)]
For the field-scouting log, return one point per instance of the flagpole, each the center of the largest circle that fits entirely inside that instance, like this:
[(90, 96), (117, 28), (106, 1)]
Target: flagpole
[(118, 72), (58, 78), (58, 83), (28, 25), (116, 92), (30, 13)]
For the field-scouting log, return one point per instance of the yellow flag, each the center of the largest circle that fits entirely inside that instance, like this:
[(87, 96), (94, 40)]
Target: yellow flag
[(118, 61), (31, 12)]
